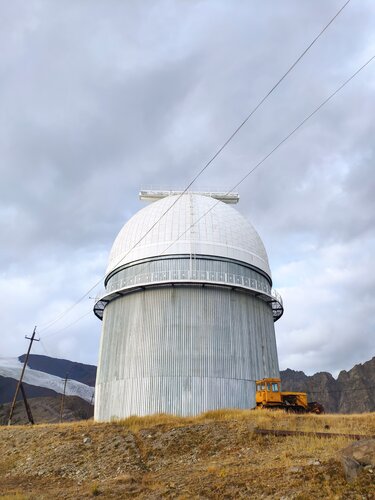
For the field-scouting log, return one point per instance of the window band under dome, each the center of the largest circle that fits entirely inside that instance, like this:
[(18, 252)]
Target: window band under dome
[(189, 270)]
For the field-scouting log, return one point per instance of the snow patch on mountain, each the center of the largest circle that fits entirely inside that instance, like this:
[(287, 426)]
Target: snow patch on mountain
[(12, 367)]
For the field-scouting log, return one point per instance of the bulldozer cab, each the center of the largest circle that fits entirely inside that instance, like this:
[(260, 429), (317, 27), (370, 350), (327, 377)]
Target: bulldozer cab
[(268, 391)]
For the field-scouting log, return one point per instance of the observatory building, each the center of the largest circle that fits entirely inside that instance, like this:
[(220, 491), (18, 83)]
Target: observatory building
[(188, 310)]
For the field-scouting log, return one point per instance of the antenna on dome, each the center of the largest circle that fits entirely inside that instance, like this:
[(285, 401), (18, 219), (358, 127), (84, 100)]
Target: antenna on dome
[(154, 195)]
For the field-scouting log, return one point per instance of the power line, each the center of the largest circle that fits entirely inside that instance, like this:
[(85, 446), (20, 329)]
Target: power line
[(43, 346), (67, 326), (204, 168), (267, 95), (318, 108), (275, 148), (50, 334)]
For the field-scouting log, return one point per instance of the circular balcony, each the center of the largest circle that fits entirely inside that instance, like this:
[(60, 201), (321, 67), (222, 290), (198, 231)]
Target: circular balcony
[(182, 277)]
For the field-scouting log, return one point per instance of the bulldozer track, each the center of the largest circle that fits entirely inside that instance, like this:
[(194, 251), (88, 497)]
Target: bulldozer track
[(278, 432)]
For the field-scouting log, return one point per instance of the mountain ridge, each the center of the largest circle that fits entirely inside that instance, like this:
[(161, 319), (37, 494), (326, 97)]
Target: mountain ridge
[(353, 391), (81, 372), (43, 382)]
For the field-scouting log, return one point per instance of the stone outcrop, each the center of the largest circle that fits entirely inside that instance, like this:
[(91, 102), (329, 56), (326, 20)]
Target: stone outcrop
[(352, 392), (357, 457)]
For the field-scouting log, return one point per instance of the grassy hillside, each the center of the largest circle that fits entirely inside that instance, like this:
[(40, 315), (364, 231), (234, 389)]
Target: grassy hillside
[(215, 455)]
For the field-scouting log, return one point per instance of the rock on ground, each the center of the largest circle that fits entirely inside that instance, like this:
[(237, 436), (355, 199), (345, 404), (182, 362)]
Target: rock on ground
[(357, 456)]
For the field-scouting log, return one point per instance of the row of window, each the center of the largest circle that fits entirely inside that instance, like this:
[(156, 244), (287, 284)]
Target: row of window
[(270, 387), (185, 268)]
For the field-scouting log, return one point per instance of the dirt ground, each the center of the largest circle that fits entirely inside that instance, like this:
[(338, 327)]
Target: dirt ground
[(216, 455)]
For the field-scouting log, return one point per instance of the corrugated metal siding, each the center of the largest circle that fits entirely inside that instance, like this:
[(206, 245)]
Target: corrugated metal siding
[(183, 350), (176, 395)]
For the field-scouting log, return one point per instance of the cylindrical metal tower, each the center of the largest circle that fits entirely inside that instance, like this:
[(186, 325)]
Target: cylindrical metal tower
[(188, 312)]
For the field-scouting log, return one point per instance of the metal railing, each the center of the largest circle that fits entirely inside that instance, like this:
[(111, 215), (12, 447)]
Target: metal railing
[(183, 275), (264, 290)]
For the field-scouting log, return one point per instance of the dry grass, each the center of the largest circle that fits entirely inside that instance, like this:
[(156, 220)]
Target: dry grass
[(268, 419), (214, 455), (13, 496)]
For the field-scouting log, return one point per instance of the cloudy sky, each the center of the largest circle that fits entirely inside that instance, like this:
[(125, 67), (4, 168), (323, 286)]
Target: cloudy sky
[(99, 99)]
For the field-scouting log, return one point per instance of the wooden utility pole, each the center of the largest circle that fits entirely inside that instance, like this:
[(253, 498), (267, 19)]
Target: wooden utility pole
[(27, 406), (32, 339), (63, 398)]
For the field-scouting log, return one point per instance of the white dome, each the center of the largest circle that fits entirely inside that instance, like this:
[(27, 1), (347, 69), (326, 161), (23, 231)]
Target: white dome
[(223, 232)]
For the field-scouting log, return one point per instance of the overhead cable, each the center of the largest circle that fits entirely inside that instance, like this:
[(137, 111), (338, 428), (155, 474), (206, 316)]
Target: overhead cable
[(204, 168), (266, 96), (290, 134), (49, 334)]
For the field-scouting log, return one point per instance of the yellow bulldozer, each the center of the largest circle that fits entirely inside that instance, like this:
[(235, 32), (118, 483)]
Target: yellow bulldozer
[(269, 395)]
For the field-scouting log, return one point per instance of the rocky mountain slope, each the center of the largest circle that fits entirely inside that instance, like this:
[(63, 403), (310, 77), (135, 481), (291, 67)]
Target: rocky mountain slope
[(43, 383), (8, 386), (80, 372), (45, 377), (47, 410), (352, 392)]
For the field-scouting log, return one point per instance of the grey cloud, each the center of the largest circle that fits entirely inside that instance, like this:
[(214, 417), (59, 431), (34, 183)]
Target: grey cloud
[(100, 99)]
